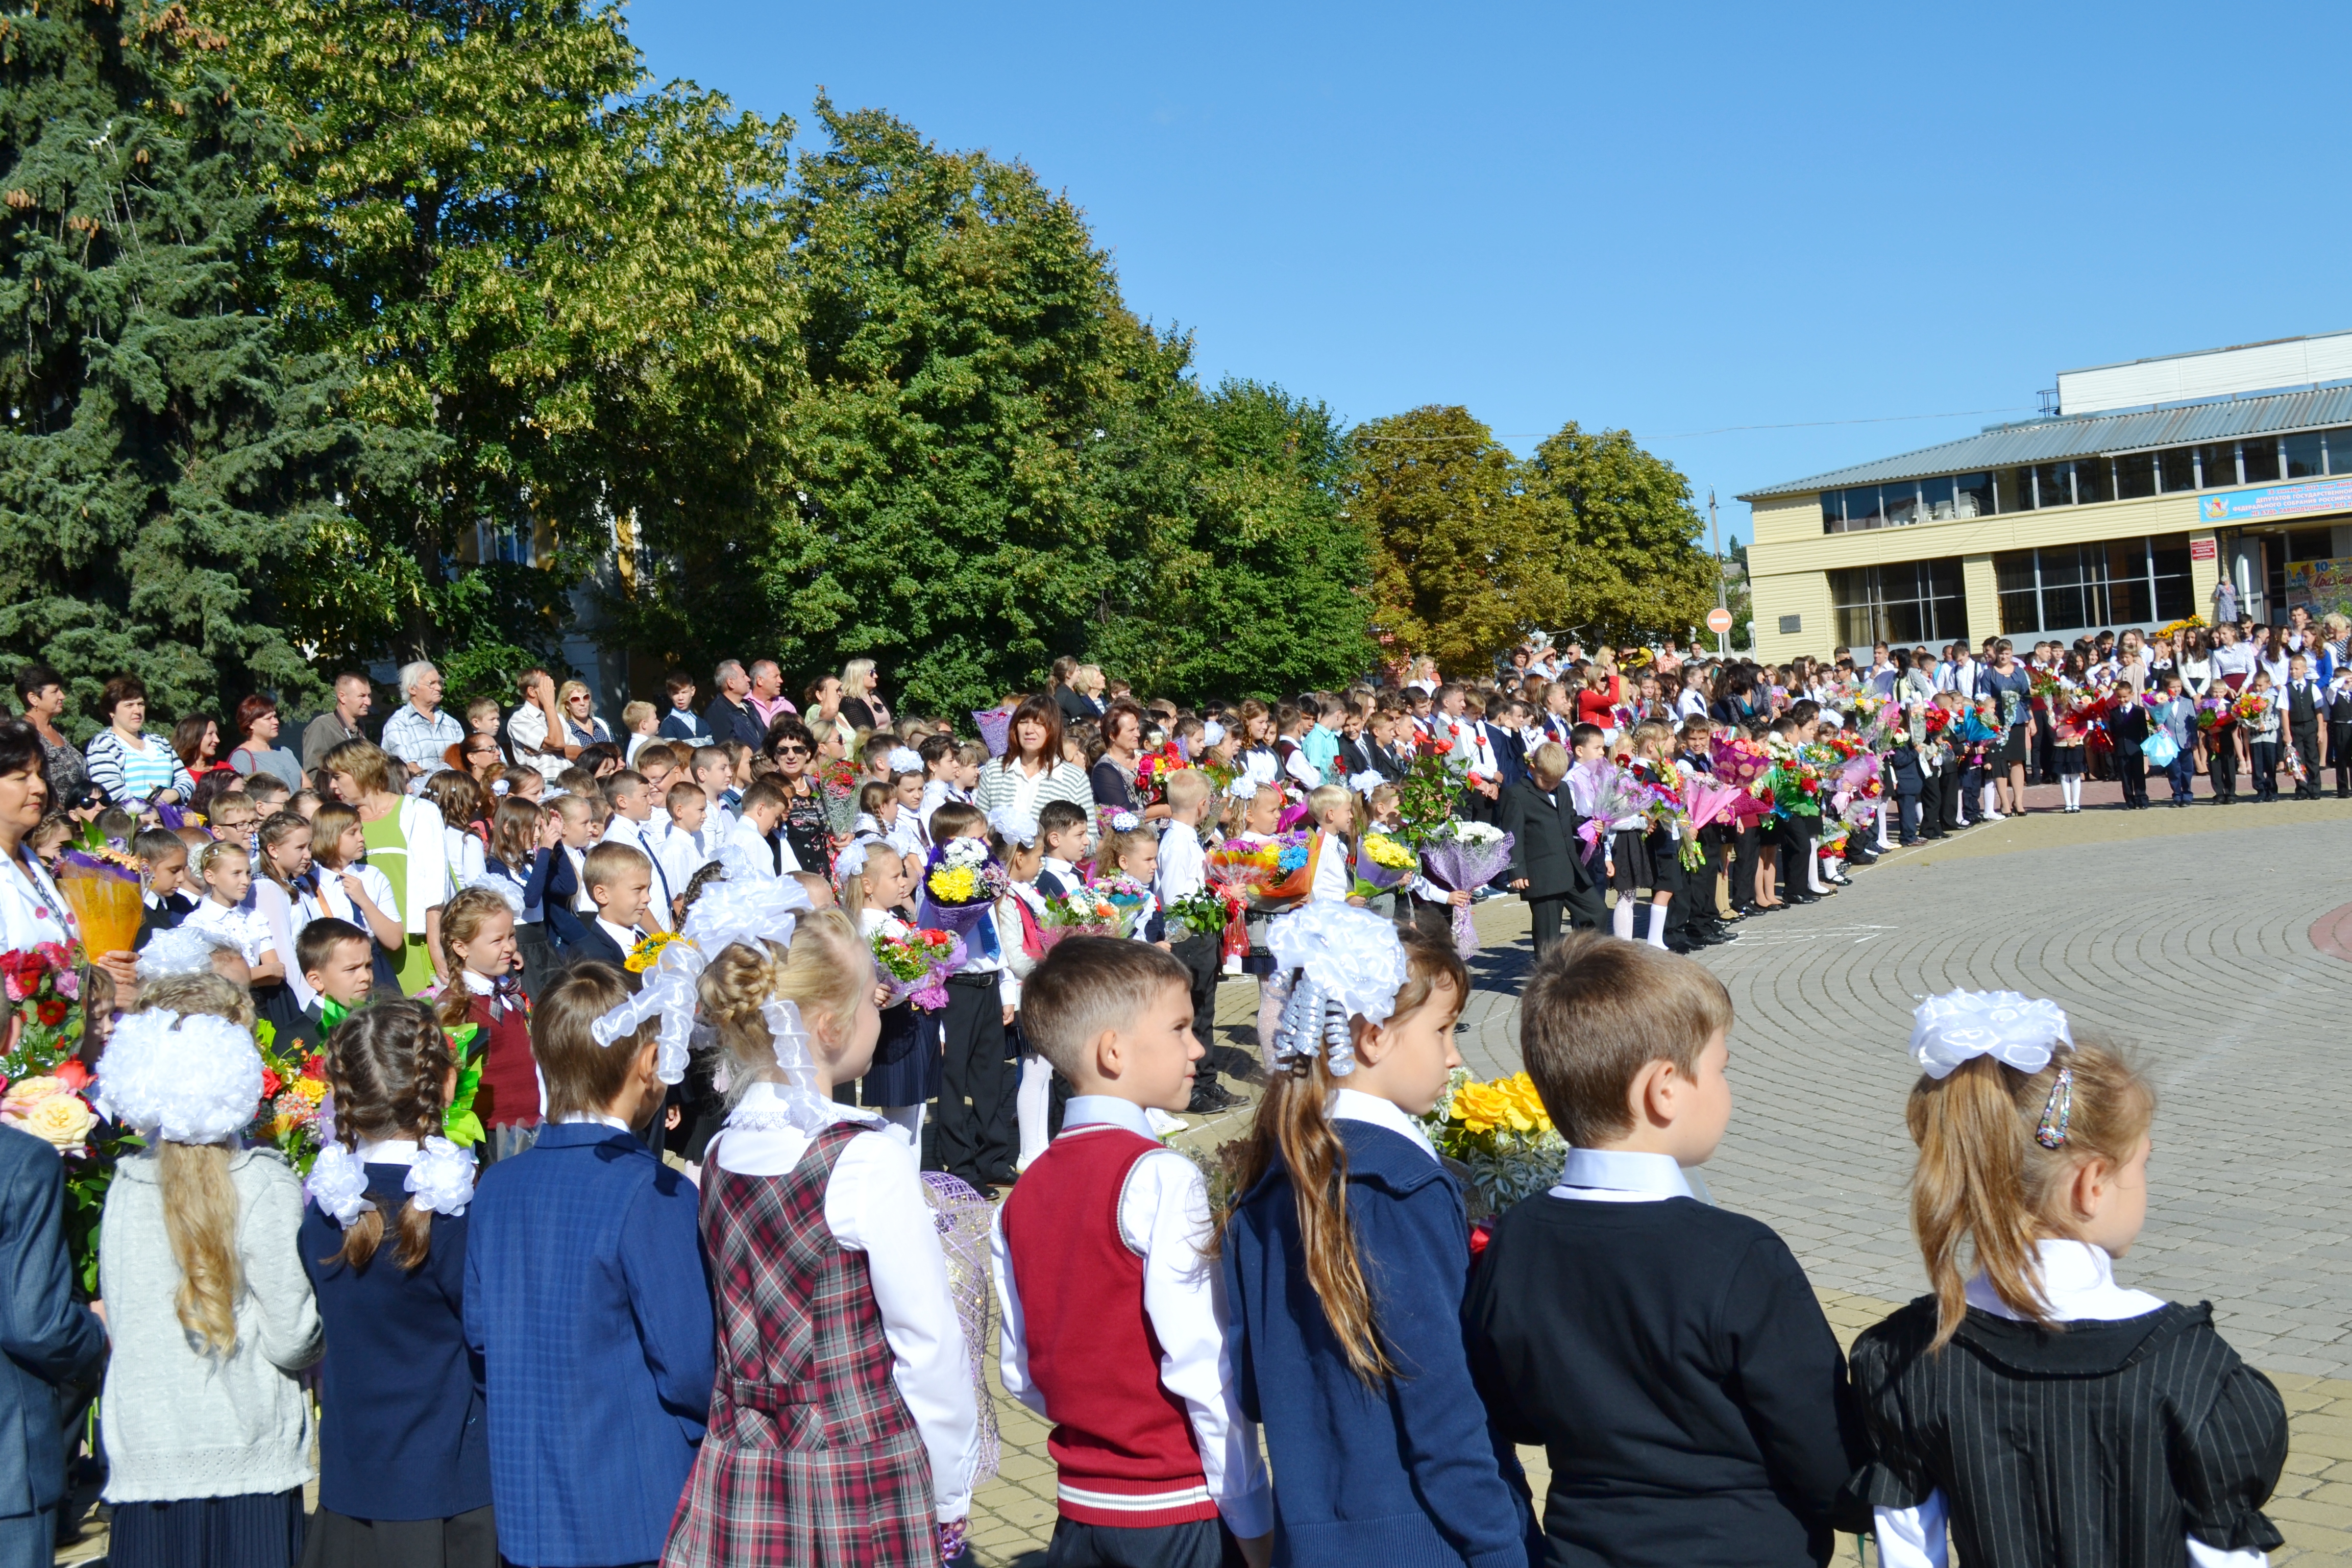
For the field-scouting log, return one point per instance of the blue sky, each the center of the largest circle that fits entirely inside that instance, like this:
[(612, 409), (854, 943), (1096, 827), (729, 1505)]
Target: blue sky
[(1672, 218)]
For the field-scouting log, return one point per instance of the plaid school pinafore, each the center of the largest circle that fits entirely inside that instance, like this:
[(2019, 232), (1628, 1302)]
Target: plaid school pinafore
[(812, 1457)]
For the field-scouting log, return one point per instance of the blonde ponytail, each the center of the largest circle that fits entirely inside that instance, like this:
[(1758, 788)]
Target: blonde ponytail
[(200, 1213), (1984, 1180)]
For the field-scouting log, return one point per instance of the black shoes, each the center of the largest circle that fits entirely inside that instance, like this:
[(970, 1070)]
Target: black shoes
[(1209, 1097)]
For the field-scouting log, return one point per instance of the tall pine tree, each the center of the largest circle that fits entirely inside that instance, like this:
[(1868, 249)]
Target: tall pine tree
[(160, 458)]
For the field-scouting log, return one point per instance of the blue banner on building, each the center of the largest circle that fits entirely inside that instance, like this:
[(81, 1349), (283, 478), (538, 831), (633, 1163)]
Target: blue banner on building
[(2277, 500)]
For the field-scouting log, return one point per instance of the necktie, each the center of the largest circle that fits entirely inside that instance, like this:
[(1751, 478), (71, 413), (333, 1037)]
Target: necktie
[(331, 1013)]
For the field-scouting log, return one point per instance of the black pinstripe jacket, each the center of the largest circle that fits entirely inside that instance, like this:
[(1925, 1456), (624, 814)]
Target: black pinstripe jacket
[(2098, 1443)]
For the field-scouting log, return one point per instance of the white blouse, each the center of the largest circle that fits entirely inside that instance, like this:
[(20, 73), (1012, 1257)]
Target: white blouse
[(873, 1204), (32, 912)]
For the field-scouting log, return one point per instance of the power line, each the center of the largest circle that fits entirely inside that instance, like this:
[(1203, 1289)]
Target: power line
[(1721, 429)]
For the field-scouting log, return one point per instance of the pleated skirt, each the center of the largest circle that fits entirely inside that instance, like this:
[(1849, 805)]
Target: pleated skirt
[(251, 1529)]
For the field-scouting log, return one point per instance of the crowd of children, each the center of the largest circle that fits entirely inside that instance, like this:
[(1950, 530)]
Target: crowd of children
[(697, 1309)]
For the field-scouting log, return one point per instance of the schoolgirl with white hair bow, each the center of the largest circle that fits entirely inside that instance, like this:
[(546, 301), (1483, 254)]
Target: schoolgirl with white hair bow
[(1345, 1263), (2131, 1414), (401, 1433)]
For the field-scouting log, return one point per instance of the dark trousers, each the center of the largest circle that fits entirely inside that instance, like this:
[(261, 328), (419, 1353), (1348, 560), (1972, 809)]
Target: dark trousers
[(1931, 821), (975, 1121), (2339, 756), (1543, 924), (2042, 753), (2306, 751), (1910, 807), (2181, 773), (2223, 765), (1203, 1543), (2263, 756), (1743, 866), (2132, 769), (1199, 955)]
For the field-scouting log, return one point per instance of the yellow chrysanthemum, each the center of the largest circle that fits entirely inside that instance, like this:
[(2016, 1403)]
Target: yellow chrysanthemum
[(1386, 851), (958, 885)]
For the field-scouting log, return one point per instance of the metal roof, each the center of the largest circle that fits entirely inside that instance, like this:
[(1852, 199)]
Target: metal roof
[(2050, 440)]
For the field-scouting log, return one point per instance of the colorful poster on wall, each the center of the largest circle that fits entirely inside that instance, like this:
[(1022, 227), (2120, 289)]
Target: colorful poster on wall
[(2276, 500), (2319, 585)]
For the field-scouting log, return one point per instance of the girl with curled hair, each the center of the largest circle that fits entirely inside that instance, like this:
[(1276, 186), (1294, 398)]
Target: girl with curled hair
[(819, 1237), (403, 1457), (2134, 1410)]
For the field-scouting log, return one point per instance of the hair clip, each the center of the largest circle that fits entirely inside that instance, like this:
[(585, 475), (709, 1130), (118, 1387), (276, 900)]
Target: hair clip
[(2051, 1131)]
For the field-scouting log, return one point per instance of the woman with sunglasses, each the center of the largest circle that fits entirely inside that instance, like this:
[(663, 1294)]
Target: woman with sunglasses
[(792, 748), (478, 758)]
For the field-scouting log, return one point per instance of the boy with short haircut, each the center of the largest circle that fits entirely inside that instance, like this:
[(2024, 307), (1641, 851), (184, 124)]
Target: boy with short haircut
[(1062, 837), (681, 722), (269, 794), (631, 823), (338, 963), (716, 775), (1728, 1428), (760, 811), (619, 878), (587, 1300), (689, 846), (1113, 1326)]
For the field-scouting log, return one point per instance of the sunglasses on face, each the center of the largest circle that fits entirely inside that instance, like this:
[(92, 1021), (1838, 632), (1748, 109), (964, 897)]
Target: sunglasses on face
[(791, 750)]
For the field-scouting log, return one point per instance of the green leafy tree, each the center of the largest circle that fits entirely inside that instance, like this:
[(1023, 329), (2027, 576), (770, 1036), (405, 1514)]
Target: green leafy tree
[(1624, 534), (957, 328), (1461, 566), (1251, 577), (561, 292), (162, 452)]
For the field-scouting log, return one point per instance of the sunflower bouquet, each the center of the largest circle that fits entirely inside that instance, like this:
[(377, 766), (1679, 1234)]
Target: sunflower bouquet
[(1500, 1130)]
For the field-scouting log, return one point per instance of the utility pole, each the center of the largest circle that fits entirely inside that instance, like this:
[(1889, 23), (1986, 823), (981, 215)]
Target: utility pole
[(1714, 540)]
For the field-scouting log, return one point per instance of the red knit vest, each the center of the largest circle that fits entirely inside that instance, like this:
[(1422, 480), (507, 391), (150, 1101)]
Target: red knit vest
[(509, 1088), (1123, 1442)]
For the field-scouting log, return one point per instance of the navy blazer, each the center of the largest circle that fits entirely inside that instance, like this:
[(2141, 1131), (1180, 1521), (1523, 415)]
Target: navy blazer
[(401, 1426), (589, 1301), (1407, 1474), (50, 1340), (590, 942)]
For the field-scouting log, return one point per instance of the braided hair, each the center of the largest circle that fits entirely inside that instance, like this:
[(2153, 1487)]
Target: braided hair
[(389, 1068)]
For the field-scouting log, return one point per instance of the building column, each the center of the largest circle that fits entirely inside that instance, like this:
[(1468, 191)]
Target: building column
[(2204, 571), (1981, 586)]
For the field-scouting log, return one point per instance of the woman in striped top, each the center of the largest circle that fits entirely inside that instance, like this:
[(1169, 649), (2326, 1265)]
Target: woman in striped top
[(1033, 771), (130, 764)]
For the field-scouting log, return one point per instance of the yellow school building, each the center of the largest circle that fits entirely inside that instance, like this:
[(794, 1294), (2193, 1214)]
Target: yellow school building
[(2127, 504)]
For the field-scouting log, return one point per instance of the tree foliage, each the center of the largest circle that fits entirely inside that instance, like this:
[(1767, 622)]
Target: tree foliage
[(558, 291), (1626, 535), (1461, 566), (163, 451)]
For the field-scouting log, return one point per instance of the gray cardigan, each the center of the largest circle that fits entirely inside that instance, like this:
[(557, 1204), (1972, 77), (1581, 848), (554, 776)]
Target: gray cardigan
[(185, 1424)]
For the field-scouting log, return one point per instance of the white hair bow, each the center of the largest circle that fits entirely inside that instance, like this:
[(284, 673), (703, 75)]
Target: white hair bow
[(2017, 1030), (906, 760), (726, 912), (1211, 733), (188, 1079), (1125, 821), (1013, 826), (1365, 783), (1333, 961), (1244, 788)]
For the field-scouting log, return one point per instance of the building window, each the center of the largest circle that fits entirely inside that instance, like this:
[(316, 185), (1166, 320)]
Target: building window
[(2259, 460), (2076, 588), (1915, 601), (2177, 469), (2304, 459), (2092, 483), (2217, 465), (2017, 489), (2135, 476), (2054, 485), (1972, 493), (2339, 450)]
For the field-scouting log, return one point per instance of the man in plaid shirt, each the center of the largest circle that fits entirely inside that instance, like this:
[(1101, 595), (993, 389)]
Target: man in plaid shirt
[(420, 732)]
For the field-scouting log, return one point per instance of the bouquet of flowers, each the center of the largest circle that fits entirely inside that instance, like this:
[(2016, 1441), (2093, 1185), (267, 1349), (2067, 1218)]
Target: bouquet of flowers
[(962, 882), (1083, 912), (1706, 800), (1238, 869), (916, 966), (837, 783), (1795, 782), (1382, 863), (101, 881), (1201, 914), (295, 1116), (995, 729), (2249, 708), (1427, 793), (1468, 855), (648, 951), (1293, 855), (2215, 713), (1151, 771), (1501, 1132), (1126, 894)]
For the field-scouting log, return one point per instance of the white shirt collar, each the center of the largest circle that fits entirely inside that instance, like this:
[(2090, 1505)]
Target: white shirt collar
[(1107, 1111), (624, 935), (1621, 1176), (388, 1152), (597, 1117), (2078, 1280), (762, 1095), (1061, 868), (478, 984), (1355, 1105)]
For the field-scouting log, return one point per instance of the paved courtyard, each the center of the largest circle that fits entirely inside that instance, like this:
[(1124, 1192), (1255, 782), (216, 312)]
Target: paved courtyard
[(2185, 935)]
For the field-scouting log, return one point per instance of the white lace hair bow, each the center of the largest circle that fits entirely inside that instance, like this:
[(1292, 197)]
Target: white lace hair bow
[(1333, 961), (191, 1079), (1212, 733), (850, 864), (1244, 788), (906, 760), (1013, 826), (1365, 783), (798, 1103), (440, 1181), (2017, 1030), (182, 950), (725, 911)]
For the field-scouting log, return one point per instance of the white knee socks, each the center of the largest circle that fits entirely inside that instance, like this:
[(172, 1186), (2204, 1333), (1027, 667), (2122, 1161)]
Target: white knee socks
[(1621, 919), (1813, 883), (1883, 842), (1030, 1104), (1657, 937), (2069, 788)]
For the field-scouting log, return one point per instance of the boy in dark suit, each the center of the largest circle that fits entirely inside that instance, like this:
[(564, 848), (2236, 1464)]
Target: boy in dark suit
[(2304, 702), (1730, 1431), (2339, 730), (619, 879), (1547, 866), (338, 961)]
